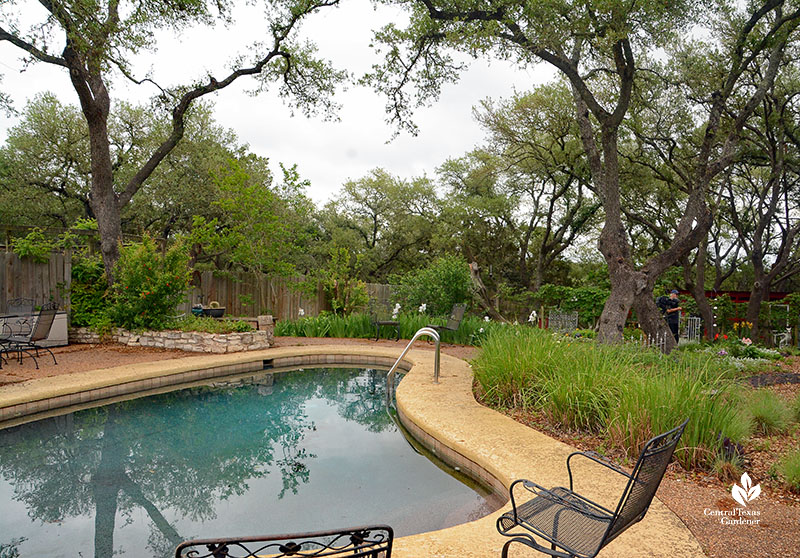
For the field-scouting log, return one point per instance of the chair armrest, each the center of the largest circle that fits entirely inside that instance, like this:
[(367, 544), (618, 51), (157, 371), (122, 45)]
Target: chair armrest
[(597, 458), (542, 492)]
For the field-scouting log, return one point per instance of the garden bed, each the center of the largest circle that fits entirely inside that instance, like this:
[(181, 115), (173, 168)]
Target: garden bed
[(190, 341)]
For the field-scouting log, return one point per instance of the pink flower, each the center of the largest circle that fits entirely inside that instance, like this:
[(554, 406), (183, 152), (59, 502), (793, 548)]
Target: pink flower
[(747, 341)]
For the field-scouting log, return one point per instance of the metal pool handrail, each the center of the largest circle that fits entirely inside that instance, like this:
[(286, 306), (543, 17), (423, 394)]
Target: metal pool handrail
[(390, 375)]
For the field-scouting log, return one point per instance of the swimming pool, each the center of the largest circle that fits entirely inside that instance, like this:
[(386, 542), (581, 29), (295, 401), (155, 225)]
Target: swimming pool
[(268, 454)]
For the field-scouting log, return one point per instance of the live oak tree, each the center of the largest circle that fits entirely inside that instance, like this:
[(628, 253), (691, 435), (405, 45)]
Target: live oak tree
[(386, 220), (597, 47), (762, 195), (46, 173), (542, 167), (95, 42)]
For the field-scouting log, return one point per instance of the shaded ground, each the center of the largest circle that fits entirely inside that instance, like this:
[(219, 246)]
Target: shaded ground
[(691, 496)]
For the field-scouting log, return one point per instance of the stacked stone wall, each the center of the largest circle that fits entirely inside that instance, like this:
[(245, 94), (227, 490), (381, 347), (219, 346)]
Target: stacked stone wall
[(193, 341)]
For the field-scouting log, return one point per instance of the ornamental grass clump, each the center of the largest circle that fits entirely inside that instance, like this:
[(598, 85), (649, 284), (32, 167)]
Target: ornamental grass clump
[(769, 412), (796, 408), (789, 469), (623, 392)]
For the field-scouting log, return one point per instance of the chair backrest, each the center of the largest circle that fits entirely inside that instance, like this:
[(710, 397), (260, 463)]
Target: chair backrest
[(44, 322), (378, 310), (645, 478), (20, 306), (456, 315), (365, 542)]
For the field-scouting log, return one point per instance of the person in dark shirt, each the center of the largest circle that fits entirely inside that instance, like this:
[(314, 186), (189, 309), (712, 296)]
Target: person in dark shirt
[(671, 309)]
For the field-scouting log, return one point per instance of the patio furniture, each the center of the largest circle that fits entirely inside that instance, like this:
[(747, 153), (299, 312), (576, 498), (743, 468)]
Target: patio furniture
[(380, 316), (365, 542), (577, 526), (19, 315), (26, 343), (454, 320)]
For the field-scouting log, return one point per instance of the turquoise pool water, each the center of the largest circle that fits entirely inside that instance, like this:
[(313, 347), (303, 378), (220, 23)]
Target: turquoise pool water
[(288, 452)]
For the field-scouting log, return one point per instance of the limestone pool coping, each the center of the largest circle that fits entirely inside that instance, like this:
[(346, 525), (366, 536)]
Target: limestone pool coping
[(444, 416)]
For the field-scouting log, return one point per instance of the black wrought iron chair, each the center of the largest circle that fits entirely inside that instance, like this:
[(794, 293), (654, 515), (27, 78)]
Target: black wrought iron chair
[(32, 340), (454, 320), (365, 542), (380, 316), (19, 315), (577, 526)]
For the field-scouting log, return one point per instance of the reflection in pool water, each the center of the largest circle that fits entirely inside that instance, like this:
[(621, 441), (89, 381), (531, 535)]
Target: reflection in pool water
[(308, 450)]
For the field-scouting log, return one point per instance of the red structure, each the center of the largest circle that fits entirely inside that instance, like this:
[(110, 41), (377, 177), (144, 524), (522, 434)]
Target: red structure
[(738, 296)]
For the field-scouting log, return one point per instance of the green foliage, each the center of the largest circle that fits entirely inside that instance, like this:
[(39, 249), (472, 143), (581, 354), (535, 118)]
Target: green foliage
[(769, 412), (88, 300), (789, 469), (35, 245), (587, 301), (339, 277), (87, 224), (439, 286), (258, 229), (357, 325), (796, 408), (208, 325), (385, 219), (148, 285), (629, 393)]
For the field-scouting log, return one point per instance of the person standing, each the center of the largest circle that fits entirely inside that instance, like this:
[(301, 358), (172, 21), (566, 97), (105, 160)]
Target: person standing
[(671, 309)]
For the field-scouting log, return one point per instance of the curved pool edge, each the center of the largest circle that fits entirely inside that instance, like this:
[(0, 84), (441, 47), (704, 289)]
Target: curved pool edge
[(445, 415)]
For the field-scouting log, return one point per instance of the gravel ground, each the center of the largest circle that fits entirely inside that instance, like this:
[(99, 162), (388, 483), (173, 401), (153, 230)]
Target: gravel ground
[(694, 498)]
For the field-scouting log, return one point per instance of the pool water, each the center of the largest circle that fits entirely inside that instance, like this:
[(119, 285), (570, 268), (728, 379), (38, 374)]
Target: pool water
[(288, 452)]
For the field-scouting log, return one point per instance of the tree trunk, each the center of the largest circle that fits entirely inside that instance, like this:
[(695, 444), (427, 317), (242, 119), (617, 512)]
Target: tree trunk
[(651, 320), (482, 294), (758, 294), (695, 284), (96, 106)]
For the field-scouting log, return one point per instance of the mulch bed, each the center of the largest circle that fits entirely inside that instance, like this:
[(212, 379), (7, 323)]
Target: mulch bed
[(774, 378)]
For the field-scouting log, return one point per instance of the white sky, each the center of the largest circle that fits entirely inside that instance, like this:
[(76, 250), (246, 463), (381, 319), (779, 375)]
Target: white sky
[(327, 153)]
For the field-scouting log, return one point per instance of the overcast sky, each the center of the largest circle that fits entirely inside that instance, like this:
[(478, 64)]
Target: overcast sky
[(327, 153)]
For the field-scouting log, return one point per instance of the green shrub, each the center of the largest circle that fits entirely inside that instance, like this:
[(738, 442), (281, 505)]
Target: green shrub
[(149, 285), (345, 292), (87, 292), (789, 468), (439, 286), (770, 414)]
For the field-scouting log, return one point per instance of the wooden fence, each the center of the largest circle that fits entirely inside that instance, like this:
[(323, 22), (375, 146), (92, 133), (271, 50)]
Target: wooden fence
[(242, 294), (22, 278), (252, 294)]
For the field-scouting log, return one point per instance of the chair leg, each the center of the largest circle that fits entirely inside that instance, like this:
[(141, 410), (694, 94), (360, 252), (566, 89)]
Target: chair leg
[(529, 542), (49, 351)]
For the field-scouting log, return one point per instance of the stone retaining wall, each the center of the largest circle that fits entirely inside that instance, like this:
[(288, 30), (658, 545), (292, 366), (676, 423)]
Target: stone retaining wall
[(193, 341)]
